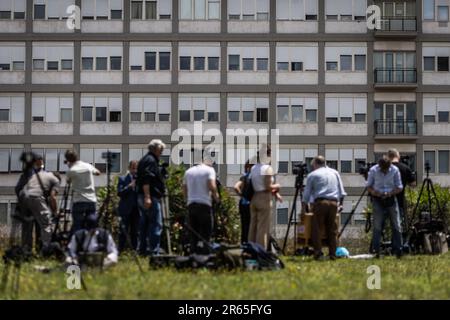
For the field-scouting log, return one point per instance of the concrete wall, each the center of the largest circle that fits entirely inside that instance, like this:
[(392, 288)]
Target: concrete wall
[(298, 129), (433, 27), (104, 77), (13, 26), (248, 77), (345, 27), (199, 77), (345, 129), (436, 129), (304, 77), (151, 26), (150, 128), (52, 77), (196, 26), (150, 77), (297, 26), (12, 77), (103, 26), (62, 129), (101, 128), (436, 78), (248, 26), (342, 77), (12, 128), (42, 26)]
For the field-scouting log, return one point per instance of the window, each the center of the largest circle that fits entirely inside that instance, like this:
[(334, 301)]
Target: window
[(247, 64), (18, 65), (185, 63), (360, 117), (115, 116), (116, 14), (359, 163), (297, 113), (346, 63), (360, 62), (66, 115), (4, 160), (331, 66), (38, 119), (213, 63), (5, 66), (442, 13), (283, 66), (4, 115), (100, 114), (233, 61), (283, 113), (332, 119), (19, 15), (311, 115), (262, 115), (38, 64), (443, 158), (199, 115), (101, 63), (247, 116), (442, 64), (86, 113), (296, 66), (233, 116), (39, 11), (214, 9), (199, 63), (5, 15), (52, 65), (428, 64), (66, 64), (213, 116), (332, 164), (428, 9), (443, 116), (346, 166), (164, 117), (185, 115), (430, 158), (429, 118), (149, 116), (116, 63), (262, 64), (150, 61), (150, 10), (88, 63), (135, 116), (164, 61), (136, 9), (283, 166)]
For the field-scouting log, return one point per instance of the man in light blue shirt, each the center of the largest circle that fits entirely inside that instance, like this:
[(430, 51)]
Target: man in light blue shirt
[(384, 183), (325, 190)]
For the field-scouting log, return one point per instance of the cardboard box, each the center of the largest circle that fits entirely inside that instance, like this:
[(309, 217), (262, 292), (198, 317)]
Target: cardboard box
[(304, 229)]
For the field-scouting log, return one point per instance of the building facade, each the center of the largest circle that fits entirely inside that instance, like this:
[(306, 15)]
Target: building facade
[(137, 70)]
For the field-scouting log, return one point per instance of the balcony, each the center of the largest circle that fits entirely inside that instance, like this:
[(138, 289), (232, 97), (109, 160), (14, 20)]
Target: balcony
[(395, 129), (395, 78), (393, 27)]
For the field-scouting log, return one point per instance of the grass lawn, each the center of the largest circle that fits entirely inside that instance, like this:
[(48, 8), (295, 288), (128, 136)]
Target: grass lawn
[(413, 277)]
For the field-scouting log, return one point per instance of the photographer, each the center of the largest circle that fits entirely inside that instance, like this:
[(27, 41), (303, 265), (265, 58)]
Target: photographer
[(128, 208), (384, 183), (81, 176), (325, 191), (36, 191), (90, 241), (407, 176), (150, 188), (244, 204), (198, 186)]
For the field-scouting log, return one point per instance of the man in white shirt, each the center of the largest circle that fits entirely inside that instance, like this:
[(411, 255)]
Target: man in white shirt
[(81, 177), (198, 186)]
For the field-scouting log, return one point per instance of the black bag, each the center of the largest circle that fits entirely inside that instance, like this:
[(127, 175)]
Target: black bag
[(266, 260), (247, 188)]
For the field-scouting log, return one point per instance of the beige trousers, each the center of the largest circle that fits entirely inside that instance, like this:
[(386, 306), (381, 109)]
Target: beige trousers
[(260, 218)]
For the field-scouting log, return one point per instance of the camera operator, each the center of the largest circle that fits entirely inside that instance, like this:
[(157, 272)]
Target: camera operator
[(199, 184), (325, 190), (150, 188), (128, 207), (244, 204), (384, 183), (36, 191), (81, 177), (407, 177)]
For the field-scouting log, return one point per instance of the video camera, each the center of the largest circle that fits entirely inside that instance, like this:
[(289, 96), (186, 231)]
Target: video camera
[(365, 167), (300, 169), (110, 156)]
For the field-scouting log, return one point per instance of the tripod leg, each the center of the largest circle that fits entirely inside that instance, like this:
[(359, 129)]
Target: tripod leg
[(293, 211), (134, 254), (438, 205), (352, 213)]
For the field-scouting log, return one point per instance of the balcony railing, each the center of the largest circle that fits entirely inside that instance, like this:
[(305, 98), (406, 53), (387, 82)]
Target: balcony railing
[(397, 24), (395, 76), (396, 127)]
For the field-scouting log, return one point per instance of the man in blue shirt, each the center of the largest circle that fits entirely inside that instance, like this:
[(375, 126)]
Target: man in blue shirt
[(384, 183), (325, 191)]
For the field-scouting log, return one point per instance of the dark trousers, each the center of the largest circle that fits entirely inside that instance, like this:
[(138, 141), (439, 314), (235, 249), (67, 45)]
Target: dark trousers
[(244, 211), (324, 218), (129, 225), (81, 210), (200, 220)]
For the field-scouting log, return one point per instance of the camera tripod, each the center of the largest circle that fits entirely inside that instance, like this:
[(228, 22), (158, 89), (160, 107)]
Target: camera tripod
[(293, 216), (353, 212), (58, 235)]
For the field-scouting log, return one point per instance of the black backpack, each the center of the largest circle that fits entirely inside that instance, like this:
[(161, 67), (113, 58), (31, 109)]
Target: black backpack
[(247, 188)]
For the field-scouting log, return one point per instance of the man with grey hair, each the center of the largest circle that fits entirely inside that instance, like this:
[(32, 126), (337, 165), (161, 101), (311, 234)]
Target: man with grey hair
[(150, 188), (325, 191)]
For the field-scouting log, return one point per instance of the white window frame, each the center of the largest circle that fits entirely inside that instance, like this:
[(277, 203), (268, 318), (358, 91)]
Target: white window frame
[(8, 53), (206, 8), (137, 104), (341, 114), (96, 55), (436, 158), (49, 50), (158, 10), (249, 53), (110, 107), (307, 103), (207, 103), (254, 12), (110, 7), (61, 105), (295, 155), (248, 103), (291, 11), (12, 5), (340, 14), (95, 156), (337, 154)]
